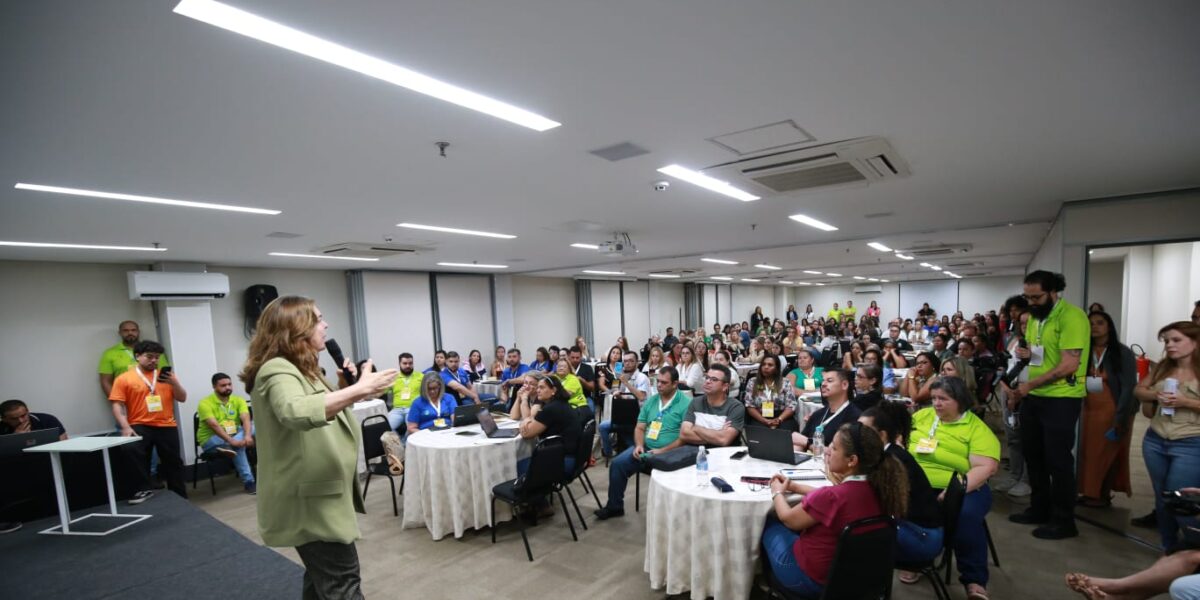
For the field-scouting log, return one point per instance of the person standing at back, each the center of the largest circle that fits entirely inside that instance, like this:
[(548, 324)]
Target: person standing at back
[(1059, 336)]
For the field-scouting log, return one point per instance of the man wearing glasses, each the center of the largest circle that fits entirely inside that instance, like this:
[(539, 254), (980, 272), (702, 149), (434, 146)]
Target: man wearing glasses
[(1058, 334), (713, 419)]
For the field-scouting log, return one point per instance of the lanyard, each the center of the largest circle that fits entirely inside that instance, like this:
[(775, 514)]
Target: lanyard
[(663, 406), (854, 478), (821, 427), (938, 421), (1040, 324), (1098, 360), (227, 408), (149, 382)]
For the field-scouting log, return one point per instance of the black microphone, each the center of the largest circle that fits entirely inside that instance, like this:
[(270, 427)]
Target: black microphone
[(335, 352)]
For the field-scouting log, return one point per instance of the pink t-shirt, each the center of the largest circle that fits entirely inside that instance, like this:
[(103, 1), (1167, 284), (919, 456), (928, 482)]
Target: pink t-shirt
[(833, 507)]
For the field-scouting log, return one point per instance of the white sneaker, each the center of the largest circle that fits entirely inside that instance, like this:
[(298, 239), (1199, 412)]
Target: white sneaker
[(1002, 483), (1020, 490), (141, 497)]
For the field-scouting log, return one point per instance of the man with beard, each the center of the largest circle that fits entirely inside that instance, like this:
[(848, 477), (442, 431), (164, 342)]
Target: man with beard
[(1058, 334), (119, 358), (405, 389)]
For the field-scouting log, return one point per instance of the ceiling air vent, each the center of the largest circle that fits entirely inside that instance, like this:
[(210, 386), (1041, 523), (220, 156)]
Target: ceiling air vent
[(858, 161), (360, 250), (937, 250)]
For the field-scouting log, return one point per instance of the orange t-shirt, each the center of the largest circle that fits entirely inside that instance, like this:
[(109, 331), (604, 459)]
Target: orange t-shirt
[(130, 389)]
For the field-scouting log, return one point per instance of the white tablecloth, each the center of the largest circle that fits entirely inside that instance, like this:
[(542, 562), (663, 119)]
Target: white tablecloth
[(702, 540), (488, 387), (744, 370), (449, 478), (362, 410)]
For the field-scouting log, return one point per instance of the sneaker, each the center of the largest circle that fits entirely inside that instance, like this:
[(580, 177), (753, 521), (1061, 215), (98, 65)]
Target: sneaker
[(251, 488), (141, 496), (10, 526), (608, 513), (1002, 483), (226, 451), (1020, 490), (1149, 521)]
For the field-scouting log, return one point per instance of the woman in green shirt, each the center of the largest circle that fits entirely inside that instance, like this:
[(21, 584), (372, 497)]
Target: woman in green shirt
[(570, 383), (806, 376)]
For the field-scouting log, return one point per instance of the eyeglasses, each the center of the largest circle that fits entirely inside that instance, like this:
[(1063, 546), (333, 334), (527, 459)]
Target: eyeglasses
[(715, 379), (1034, 297)]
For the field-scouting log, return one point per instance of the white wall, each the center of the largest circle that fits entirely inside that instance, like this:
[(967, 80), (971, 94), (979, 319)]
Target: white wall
[(979, 295), (399, 317), (543, 313), (606, 316), (1106, 285), (708, 315), (1049, 255), (823, 297), (57, 318), (637, 312), (1136, 320), (746, 297), (465, 314), (724, 305), (503, 313), (666, 304), (1161, 283)]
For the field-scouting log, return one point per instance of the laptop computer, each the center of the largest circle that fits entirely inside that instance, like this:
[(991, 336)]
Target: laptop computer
[(468, 414), (14, 444), (488, 424), (774, 445)]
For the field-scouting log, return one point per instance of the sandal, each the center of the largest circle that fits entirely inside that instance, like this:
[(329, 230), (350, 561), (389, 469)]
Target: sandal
[(909, 577), (976, 592), (1082, 584)]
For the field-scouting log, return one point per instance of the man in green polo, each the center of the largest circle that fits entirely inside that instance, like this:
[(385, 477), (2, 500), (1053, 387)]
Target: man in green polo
[(119, 358), (1058, 335)]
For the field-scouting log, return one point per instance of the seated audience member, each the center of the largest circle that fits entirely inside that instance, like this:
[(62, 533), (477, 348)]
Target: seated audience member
[(854, 357), (405, 389), (476, 369), (755, 354), (873, 356), (225, 427), (769, 401), (948, 438), (439, 363), (581, 345), (1177, 574), (607, 371), (716, 403), (498, 363), (725, 358), (512, 376), (892, 356), (957, 366), (654, 361), (670, 339), (541, 360), (838, 410), (919, 533), (799, 541), (917, 383), (143, 403), (458, 380), (895, 335), (807, 376), (554, 354), (585, 373), (433, 408), (571, 383), (547, 412), (867, 389), (657, 431), (16, 418), (690, 370), (630, 382), (941, 346)]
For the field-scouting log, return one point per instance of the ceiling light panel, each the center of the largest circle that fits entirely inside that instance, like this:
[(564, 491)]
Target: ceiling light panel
[(700, 179), (720, 261), (471, 265), (721, 278), (81, 246), (879, 247), (751, 280), (598, 272), (904, 256), (834, 274), (586, 246), (276, 34), (769, 267), (321, 256), (503, 236), (811, 222), (814, 272), (663, 275), (53, 189)]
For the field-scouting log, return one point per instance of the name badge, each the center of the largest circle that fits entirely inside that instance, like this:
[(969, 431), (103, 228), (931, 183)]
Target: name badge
[(154, 403), (230, 428), (1095, 385), (652, 431), (1036, 355), (927, 445), (768, 409), (405, 393), (439, 422), (810, 384)]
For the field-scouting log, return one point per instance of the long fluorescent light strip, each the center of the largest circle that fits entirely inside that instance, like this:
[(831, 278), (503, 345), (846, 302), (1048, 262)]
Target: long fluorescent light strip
[(769, 267), (879, 247), (904, 256), (503, 236), (53, 189), (663, 275), (935, 267), (751, 280), (860, 278), (251, 25), (81, 246), (805, 283), (472, 265), (700, 179), (785, 282), (721, 278), (586, 246), (811, 222), (720, 261), (297, 255), (814, 272), (595, 272), (834, 274)]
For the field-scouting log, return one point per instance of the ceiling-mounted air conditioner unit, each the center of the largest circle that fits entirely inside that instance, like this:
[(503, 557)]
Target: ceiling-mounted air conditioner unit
[(937, 250), (364, 250), (860, 161), (868, 289)]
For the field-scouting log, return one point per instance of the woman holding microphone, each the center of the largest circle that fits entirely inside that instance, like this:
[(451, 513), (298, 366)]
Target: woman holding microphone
[(308, 444)]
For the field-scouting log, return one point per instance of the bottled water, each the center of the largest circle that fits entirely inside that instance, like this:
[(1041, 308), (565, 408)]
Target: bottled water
[(701, 467)]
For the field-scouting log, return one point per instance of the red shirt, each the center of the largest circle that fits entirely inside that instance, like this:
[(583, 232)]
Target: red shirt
[(833, 507)]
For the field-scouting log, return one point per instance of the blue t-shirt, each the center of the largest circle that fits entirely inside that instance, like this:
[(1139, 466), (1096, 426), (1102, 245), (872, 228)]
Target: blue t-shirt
[(544, 367), (889, 378), (462, 377), (510, 372), (423, 413)]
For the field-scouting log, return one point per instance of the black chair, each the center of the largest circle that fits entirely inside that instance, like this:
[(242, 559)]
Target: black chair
[(862, 563), (624, 417), (205, 458), (373, 427), (582, 455), (951, 508), (544, 477)]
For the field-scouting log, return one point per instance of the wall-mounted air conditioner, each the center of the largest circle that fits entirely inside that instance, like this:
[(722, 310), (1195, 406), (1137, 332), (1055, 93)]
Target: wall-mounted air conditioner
[(170, 285), (868, 289)]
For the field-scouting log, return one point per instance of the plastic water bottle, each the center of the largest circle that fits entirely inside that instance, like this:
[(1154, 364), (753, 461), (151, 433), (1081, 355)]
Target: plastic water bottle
[(701, 467), (818, 448)]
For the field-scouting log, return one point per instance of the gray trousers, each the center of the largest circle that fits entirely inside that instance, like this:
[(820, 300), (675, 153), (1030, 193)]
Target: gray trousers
[(1016, 457), (330, 571)]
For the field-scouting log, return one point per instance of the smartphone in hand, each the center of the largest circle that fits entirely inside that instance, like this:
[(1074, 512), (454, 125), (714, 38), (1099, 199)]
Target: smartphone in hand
[(164, 375)]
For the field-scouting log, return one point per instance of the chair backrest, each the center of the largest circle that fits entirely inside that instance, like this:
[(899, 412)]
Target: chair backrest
[(862, 563), (196, 434), (584, 452), (545, 468), (625, 411), (952, 503), (373, 428)]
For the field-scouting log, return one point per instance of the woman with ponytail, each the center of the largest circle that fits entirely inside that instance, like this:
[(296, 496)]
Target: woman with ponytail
[(800, 541)]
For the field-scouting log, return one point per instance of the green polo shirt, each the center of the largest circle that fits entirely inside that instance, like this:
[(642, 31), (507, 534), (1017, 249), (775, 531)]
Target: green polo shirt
[(406, 389), (119, 358), (1066, 328), (835, 314), (672, 418), (956, 443), (227, 414)]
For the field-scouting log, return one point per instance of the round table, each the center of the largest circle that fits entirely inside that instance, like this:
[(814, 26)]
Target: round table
[(702, 540), (448, 478)]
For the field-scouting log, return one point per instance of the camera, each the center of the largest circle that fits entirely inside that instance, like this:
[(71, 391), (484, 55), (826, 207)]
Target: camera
[(661, 186)]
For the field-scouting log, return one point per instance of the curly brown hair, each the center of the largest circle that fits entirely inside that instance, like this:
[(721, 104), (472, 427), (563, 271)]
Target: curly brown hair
[(885, 474), (283, 330)]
